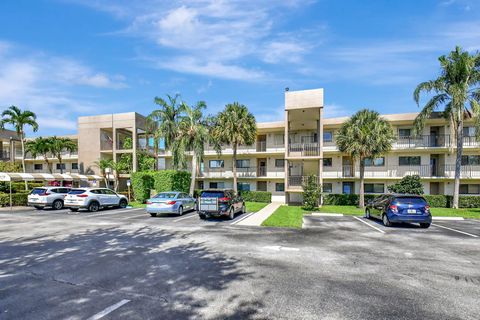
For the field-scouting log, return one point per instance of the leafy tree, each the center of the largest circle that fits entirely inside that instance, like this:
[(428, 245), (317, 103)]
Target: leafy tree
[(40, 147), (365, 135), (235, 125), (192, 136), (311, 192), (125, 162), (116, 170), (145, 161), (19, 120), (59, 145), (408, 185), (457, 89), (103, 165)]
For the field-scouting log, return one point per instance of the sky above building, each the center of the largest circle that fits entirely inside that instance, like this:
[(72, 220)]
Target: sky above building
[(67, 58)]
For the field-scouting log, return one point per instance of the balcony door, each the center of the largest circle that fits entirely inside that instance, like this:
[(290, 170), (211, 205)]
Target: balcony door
[(347, 167), (434, 158), (348, 187), (262, 167)]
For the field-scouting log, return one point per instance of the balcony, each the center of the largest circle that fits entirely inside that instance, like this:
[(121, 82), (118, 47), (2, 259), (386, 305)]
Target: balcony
[(304, 149), (423, 141), (297, 181), (252, 172), (261, 146)]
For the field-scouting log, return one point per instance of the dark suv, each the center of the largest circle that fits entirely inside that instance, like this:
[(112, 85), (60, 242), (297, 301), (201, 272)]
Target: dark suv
[(400, 208), (216, 203)]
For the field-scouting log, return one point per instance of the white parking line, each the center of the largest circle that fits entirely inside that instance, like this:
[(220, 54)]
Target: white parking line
[(106, 311), (187, 217), (242, 218), (368, 224), (455, 230)]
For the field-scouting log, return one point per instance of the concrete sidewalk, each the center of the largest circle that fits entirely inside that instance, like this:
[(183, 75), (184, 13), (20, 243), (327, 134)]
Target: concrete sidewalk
[(257, 218)]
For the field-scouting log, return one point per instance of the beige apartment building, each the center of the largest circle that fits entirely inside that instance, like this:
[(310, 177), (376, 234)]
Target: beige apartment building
[(284, 153)]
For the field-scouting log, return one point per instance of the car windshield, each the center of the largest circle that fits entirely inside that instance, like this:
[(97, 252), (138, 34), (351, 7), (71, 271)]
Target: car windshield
[(165, 195), (411, 200), (76, 191), (38, 191), (212, 194)]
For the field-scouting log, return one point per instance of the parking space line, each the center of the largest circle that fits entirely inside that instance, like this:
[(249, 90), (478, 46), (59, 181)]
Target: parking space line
[(368, 224), (242, 218), (455, 230), (184, 218), (106, 311)]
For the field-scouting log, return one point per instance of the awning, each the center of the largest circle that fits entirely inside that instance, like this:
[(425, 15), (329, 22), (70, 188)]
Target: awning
[(15, 176)]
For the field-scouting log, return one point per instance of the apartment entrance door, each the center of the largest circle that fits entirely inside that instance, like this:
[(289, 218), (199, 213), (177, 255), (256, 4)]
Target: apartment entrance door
[(348, 187), (262, 168), (434, 165), (434, 137), (347, 167), (434, 188)]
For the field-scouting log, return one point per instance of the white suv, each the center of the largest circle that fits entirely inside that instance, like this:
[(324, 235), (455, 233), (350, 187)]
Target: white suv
[(93, 199), (47, 197)]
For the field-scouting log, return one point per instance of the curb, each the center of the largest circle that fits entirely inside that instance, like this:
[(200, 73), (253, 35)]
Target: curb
[(448, 218), (326, 214)]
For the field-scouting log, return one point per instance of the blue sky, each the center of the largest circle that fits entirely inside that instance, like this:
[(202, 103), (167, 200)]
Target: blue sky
[(66, 58)]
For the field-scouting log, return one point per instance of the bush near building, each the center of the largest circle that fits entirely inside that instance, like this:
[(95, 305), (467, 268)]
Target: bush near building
[(256, 196), (408, 184), (142, 183), (160, 181), (18, 199)]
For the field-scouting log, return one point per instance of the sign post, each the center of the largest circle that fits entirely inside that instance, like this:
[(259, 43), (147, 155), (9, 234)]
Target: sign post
[(128, 186)]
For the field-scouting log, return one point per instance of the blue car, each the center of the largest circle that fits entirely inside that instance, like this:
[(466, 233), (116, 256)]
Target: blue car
[(391, 208), (170, 202)]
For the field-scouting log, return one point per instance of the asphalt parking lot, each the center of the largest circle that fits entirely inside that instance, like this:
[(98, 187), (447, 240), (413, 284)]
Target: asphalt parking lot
[(124, 264)]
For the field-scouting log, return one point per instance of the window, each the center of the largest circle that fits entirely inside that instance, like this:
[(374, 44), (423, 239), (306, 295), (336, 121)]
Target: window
[(243, 186), (62, 166), (279, 163), (470, 189), (279, 139), (374, 187), (280, 187), (327, 188), (404, 133), (261, 186), (309, 139), (74, 166), (377, 162), (409, 161), (244, 163), (470, 160), (327, 136), (38, 166), (217, 185), (327, 162), (216, 163), (469, 131)]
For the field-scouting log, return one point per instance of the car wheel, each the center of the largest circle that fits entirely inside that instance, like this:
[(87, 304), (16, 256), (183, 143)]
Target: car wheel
[(153, 214), (244, 210), (74, 209), (385, 220), (424, 225), (367, 213), (231, 214), (38, 207), (180, 210), (93, 207), (202, 216), (57, 204), (123, 203)]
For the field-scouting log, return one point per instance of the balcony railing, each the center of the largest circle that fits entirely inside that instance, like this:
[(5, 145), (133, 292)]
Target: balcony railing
[(262, 172), (304, 149), (298, 181), (425, 141), (261, 146)]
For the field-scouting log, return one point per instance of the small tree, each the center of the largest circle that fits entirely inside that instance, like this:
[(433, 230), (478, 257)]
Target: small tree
[(311, 192), (408, 184)]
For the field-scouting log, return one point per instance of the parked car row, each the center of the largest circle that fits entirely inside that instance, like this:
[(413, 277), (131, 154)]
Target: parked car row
[(91, 199)]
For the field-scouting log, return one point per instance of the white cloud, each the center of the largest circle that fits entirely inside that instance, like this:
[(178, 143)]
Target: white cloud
[(334, 111)]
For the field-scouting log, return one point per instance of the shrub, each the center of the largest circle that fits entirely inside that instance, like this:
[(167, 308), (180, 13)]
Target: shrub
[(142, 183), (172, 180), (311, 193), (345, 199), (7, 166), (436, 201), (469, 202), (257, 196), (18, 199), (196, 193), (408, 184), (19, 186)]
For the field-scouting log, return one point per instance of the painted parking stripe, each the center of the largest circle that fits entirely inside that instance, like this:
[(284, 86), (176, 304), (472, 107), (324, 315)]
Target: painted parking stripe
[(184, 218), (368, 224), (108, 310), (455, 230), (242, 218)]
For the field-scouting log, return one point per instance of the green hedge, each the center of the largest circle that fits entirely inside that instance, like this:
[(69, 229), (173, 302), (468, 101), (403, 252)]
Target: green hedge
[(142, 183), (469, 202), (256, 196), (18, 199), (436, 201), (20, 186), (345, 199), (171, 180)]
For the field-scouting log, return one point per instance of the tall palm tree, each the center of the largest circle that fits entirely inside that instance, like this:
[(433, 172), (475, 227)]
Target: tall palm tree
[(103, 165), (19, 120), (151, 130), (457, 89), (116, 167), (59, 145), (40, 147), (365, 135), (235, 125), (192, 136)]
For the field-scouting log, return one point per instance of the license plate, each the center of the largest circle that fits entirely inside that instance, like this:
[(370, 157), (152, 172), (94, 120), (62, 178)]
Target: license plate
[(412, 211)]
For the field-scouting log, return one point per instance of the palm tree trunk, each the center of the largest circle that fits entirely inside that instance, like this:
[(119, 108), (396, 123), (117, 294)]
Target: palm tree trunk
[(361, 202), (458, 164), (61, 167), (194, 173), (235, 168), (23, 158), (45, 157)]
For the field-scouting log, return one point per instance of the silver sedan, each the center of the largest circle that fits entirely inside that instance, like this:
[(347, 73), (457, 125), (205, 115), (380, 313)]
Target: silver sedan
[(170, 202)]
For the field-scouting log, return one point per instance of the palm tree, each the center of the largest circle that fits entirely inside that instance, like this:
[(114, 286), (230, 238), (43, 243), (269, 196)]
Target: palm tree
[(365, 135), (59, 145), (151, 130), (40, 147), (19, 120), (235, 125), (103, 165), (457, 89), (192, 136), (116, 167)]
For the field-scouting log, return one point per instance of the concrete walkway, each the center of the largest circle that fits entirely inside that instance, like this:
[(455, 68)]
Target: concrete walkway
[(257, 218)]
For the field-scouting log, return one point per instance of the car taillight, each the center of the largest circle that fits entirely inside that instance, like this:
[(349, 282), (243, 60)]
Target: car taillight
[(44, 194), (224, 199), (394, 208), (82, 195), (427, 208), (149, 202), (171, 202)]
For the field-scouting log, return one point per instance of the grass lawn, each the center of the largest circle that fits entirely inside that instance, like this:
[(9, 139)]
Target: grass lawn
[(347, 210), (286, 217), (254, 206), (136, 204)]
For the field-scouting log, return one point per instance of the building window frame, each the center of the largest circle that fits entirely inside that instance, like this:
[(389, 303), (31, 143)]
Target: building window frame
[(327, 162), (327, 187), (409, 160), (376, 162), (243, 163), (216, 164), (279, 163), (374, 187)]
